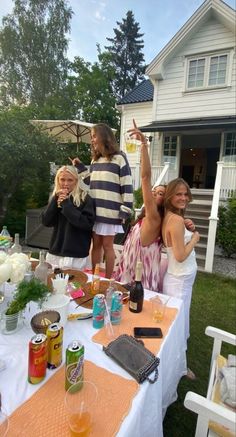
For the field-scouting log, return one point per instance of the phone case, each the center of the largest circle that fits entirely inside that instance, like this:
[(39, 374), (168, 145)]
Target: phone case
[(146, 334), (132, 355)]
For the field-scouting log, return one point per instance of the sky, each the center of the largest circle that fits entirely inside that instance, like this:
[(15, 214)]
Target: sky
[(94, 20)]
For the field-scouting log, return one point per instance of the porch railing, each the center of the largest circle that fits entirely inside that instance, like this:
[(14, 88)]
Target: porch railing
[(228, 181), (159, 174)]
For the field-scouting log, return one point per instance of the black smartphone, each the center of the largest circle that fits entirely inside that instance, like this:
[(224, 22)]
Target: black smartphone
[(148, 332)]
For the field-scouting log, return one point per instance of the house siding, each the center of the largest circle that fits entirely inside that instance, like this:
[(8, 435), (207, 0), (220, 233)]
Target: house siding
[(142, 113), (173, 103)]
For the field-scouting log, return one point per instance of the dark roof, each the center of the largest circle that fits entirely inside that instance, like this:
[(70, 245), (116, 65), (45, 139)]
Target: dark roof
[(143, 92), (191, 123)]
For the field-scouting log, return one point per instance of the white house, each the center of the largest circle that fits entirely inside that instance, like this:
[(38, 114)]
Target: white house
[(187, 107)]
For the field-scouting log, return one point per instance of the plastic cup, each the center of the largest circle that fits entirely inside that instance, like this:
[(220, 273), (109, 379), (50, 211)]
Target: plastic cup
[(80, 403), (131, 144), (4, 424), (111, 331), (158, 310)]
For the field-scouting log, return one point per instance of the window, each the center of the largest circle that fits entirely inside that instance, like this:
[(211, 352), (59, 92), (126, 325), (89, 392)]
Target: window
[(207, 71), (230, 147), (217, 74), (196, 73), (170, 150)]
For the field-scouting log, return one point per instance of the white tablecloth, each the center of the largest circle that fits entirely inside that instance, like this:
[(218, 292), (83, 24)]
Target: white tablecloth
[(149, 405)]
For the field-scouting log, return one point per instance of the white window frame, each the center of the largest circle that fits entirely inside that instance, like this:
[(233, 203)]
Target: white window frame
[(207, 57), (173, 159), (229, 157)]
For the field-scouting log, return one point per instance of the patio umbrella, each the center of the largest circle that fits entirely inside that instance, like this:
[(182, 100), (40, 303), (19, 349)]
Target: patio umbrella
[(74, 131)]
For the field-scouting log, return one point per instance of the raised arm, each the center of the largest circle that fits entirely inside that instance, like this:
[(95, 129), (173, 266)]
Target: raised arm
[(151, 225)]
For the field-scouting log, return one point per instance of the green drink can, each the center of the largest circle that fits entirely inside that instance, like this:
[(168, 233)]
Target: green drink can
[(74, 365)]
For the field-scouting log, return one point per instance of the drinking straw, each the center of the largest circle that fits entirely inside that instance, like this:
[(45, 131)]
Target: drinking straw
[(107, 315)]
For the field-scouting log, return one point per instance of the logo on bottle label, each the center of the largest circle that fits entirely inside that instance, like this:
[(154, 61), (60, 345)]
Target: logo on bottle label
[(133, 305)]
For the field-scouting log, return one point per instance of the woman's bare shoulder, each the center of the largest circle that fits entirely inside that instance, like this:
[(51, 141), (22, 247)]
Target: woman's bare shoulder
[(173, 218)]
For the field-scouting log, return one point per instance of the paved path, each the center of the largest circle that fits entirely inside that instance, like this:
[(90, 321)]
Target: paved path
[(224, 266)]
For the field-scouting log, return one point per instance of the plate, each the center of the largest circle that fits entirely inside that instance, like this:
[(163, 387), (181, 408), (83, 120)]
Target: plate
[(80, 316)]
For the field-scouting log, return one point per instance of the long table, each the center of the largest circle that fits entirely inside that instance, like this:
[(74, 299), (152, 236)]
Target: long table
[(149, 405)]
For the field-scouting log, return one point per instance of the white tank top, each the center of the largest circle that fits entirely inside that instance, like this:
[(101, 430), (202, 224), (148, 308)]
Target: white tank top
[(186, 267)]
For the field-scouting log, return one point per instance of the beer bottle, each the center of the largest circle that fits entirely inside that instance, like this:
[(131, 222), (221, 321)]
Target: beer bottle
[(96, 280), (136, 292)]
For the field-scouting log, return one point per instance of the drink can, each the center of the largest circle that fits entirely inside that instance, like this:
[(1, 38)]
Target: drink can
[(98, 311), (74, 365), (55, 340), (37, 364), (116, 307)]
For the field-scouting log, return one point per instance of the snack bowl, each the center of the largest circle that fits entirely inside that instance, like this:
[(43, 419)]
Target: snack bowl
[(41, 321)]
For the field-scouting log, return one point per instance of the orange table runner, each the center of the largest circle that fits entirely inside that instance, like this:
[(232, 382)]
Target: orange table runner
[(130, 320), (44, 414)]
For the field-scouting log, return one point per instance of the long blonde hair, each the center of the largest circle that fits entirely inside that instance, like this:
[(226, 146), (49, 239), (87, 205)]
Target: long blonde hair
[(77, 193)]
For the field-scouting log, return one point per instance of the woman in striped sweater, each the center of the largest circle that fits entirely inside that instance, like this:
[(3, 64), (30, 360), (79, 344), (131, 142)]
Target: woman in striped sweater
[(111, 188)]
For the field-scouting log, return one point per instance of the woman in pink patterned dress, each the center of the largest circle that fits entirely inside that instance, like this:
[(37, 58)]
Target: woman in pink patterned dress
[(144, 240), (150, 254)]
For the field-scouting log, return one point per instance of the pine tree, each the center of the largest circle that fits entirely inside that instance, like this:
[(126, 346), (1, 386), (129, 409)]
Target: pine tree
[(126, 55)]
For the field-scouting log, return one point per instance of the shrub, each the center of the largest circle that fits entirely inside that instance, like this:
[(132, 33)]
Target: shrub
[(226, 235), (138, 198)]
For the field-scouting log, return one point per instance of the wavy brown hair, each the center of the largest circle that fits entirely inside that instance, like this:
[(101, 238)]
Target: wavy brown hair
[(170, 192), (107, 138)]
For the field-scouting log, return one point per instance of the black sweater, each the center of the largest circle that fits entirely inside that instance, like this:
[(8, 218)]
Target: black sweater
[(72, 225)]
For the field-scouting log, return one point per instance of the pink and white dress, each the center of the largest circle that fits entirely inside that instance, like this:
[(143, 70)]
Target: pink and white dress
[(133, 252)]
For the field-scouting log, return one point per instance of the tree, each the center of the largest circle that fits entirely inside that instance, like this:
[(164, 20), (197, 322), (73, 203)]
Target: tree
[(33, 47), (126, 55), (92, 90), (24, 166)]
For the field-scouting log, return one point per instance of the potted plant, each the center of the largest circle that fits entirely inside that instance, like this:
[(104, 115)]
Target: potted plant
[(27, 291)]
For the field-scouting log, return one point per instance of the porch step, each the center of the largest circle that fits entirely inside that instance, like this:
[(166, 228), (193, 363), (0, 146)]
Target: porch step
[(200, 261), (198, 220), (199, 211)]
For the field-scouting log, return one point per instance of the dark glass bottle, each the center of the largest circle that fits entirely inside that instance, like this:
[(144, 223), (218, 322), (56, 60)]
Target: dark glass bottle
[(136, 292)]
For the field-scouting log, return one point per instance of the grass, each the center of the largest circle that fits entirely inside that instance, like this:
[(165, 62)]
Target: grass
[(213, 304)]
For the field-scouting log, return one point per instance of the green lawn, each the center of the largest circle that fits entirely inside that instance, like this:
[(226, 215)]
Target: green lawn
[(214, 304)]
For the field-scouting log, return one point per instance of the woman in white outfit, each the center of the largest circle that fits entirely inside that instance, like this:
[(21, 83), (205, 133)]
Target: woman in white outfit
[(180, 243)]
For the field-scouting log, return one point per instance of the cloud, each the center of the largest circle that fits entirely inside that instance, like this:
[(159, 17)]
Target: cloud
[(99, 16)]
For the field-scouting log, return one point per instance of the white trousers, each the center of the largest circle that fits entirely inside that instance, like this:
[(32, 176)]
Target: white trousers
[(66, 262), (181, 287)]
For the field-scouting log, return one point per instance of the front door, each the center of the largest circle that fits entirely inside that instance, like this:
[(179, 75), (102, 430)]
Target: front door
[(188, 174), (198, 159)]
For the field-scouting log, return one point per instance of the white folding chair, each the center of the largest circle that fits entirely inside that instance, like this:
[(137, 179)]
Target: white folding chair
[(206, 409)]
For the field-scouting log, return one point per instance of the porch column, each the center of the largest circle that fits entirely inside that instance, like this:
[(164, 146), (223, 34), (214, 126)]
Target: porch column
[(213, 219)]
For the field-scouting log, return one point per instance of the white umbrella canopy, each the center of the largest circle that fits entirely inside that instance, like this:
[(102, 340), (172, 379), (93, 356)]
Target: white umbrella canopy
[(74, 131)]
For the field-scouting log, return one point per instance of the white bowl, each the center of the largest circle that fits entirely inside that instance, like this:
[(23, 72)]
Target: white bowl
[(60, 303)]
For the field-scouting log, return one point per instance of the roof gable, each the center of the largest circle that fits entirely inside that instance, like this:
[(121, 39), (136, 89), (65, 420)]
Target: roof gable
[(210, 8)]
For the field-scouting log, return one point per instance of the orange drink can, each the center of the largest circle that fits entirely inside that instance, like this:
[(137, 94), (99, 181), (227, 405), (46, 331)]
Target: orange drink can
[(37, 363)]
